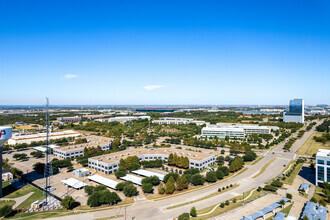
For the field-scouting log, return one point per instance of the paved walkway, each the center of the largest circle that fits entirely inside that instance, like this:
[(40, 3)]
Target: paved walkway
[(19, 200)]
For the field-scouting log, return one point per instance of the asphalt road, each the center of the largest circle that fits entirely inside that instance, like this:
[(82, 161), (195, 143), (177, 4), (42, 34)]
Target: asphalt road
[(145, 209)]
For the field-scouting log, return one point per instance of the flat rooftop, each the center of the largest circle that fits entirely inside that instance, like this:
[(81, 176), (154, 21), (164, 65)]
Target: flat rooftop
[(43, 135), (323, 153), (116, 156), (219, 128), (93, 141)]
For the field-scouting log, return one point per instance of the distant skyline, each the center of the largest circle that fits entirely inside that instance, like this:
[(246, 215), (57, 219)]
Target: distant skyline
[(164, 52)]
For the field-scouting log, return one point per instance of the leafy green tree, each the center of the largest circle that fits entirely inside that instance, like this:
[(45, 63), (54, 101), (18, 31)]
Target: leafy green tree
[(147, 187), (115, 144), (170, 159), (197, 179), (219, 174), (130, 190), (89, 189), (193, 212), (184, 216), (225, 170), (161, 189), (170, 185), (167, 176), (68, 202), (154, 180), (211, 177), (120, 173), (37, 154), (185, 163), (121, 186)]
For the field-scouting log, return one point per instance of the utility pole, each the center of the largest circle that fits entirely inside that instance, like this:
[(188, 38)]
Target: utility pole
[(125, 214)]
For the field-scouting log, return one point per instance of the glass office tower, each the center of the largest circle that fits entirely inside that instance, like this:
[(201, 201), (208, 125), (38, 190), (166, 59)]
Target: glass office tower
[(296, 106), (295, 112)]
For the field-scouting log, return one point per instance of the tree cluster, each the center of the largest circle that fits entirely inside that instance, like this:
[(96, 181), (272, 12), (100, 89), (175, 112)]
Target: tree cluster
[(103, 197), (37, 154), (178, 161), (324, 127), (236, 164), (20, 156), (152, 163), (129, 163)]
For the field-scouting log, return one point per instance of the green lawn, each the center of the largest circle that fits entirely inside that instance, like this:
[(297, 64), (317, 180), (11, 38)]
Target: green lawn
[(289, 180), (7, 202), (311, 147), (20, 192), (37, 195)]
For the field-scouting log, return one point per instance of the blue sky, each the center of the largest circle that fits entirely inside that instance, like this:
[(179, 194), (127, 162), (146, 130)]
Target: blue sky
[(164, 52)]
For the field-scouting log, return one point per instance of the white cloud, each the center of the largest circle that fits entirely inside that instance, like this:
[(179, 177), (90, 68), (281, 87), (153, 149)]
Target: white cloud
[(70, 76), (152, 87)]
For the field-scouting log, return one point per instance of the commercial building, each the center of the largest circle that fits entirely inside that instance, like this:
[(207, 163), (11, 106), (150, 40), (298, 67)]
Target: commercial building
[(322, 166), (315, 111), (123, 119), (69, 119), (178, 121), (77, 150), (7, 175), (81, 172), (250, 128), (109, 163), (95, 116), (28, 139), (222, 132), (295, 111)]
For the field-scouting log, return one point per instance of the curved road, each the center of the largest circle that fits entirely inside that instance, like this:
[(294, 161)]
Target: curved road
[(145, 209)]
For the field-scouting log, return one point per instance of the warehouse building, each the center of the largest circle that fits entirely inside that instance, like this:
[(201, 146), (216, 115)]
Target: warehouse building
[(109, 163), (77, 150), (28, 139)]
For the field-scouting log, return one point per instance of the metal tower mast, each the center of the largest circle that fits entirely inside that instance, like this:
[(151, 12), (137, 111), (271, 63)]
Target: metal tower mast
[(48, 173)]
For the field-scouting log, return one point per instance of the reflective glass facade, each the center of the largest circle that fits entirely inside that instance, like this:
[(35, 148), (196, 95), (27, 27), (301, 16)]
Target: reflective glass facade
[(296, 106)]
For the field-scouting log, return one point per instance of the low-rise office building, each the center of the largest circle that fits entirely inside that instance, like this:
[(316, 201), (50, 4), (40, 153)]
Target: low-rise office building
[(123, 119), (77, 150), (28, 139), (109, 163), (178, 121), (250, 128), (222, 132), (69, 119), (322, 166)]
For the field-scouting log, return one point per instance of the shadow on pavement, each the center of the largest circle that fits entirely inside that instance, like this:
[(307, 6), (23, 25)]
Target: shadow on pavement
[(308, 174)]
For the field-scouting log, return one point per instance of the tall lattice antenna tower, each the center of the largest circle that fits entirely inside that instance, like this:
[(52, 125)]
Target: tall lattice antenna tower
[(48, 173)]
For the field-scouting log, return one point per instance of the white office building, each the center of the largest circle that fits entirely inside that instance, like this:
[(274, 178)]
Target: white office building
[(123, 119), (322, 166), (250, 128), (28, 139), (222, 132), (295, 111), (77, 150), (109, 163), (178, 121)]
